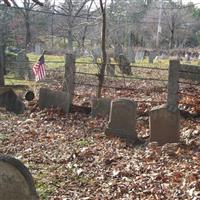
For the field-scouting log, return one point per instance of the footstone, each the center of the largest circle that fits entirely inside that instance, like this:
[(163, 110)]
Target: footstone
[(100, 107), (49, 98), (11, 101), (16, 182), (122, 120), (164, 125)]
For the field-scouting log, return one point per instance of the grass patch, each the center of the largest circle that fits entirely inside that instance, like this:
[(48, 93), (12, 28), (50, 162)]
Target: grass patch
[(3, 136), (82, 142)]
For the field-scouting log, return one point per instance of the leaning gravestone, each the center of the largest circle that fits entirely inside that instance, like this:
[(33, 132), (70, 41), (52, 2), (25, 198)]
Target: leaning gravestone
[(49, 98), (100, 107), (11, 101), (16, 182), (122, 120)]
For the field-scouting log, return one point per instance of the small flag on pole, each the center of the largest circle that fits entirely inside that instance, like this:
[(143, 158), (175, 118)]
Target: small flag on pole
[(39, 69)]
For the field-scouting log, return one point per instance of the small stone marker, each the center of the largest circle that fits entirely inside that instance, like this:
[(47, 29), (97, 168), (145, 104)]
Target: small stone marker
[(16, 182), (49, 98), (122, 120), (152, 56), (139, 55), (100, 107), (10, 101), (164, 125)]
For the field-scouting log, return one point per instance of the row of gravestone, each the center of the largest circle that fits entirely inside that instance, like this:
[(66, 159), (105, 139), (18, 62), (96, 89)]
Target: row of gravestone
[(164, 124)]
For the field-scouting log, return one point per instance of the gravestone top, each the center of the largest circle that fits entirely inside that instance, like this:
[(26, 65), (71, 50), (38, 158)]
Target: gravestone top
[(16, 182)]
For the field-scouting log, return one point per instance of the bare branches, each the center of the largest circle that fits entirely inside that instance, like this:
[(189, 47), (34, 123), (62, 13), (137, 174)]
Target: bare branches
[(7, 2)]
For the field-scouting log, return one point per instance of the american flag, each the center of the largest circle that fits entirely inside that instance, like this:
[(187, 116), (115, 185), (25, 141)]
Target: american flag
[(39, 69)]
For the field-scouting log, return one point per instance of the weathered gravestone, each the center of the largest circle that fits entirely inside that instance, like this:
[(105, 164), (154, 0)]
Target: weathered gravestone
[(122, 120), (124, 65), (139, 55), (11, 101), (110, 68), (100, 107), (130, 55), (164, 125), (22, 64), (189, 72), (164, 120), (49, 98), (70, 70), (152, 56), (16, 182)]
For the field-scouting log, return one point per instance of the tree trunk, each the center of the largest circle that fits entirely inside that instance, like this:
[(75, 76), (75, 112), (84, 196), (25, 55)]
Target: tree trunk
[(2, 82), (70, 39), (171, 43), (28, 31), (103, 49)]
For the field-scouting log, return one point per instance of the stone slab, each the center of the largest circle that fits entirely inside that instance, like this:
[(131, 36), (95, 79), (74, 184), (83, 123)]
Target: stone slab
[(122, 119), (164, 125), (49, 98), (100, 107), (16, 182), (11, 101)]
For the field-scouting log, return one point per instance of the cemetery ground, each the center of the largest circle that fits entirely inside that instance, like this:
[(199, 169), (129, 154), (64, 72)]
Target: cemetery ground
[(70, 157)]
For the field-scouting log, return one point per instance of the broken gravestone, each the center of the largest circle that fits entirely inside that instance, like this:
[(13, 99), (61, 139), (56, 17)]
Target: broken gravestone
[(16, 182), (49, 98), (164, 119), (164, 125), (11, 101), (100, 107), (122, 120)]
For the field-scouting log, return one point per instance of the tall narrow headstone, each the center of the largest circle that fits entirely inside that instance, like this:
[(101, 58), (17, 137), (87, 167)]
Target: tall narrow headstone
[(173, 86), (164, 120), (69, 82), (16, 182), (122, 119)]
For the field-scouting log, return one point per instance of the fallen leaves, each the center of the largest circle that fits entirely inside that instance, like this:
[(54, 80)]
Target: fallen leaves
[(71, 158)]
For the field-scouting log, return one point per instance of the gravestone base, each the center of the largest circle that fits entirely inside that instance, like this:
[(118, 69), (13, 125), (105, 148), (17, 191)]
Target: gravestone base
[(164, 125), (100, 107), (129, 136), (49, 98)]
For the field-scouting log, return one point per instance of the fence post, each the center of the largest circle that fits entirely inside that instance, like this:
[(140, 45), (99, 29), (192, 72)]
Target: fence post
[(69, 79), (173, 86)]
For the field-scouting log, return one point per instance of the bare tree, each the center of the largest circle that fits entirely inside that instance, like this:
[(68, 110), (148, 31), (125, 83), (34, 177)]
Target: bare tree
[(3, 42), (72, 12), (28, 5), (103, 48)]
